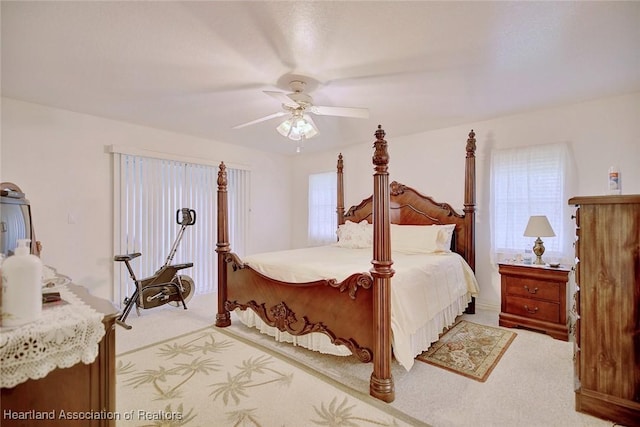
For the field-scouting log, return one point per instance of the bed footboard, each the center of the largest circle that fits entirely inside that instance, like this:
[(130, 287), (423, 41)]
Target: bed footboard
[(340, 310)]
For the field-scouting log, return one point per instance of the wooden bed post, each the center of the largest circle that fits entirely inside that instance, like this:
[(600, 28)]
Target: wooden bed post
[(470, 208), (340, 204), (470, 198), (381, 383), (223, 317)]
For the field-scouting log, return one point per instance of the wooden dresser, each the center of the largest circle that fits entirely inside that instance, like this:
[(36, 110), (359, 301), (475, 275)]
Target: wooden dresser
[(81, 390), (534, 297), (607, 306)]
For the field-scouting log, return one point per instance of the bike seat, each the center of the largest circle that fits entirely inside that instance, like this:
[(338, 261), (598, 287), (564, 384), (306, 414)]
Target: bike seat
[(127, 257), (181, 266)]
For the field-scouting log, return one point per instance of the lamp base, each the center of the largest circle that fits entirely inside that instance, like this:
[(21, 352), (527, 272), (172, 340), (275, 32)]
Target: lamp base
[(538, 249)]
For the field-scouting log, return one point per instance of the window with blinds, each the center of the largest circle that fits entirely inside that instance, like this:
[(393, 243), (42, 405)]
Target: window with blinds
[(148, 192), (323, 220), (524, 182)]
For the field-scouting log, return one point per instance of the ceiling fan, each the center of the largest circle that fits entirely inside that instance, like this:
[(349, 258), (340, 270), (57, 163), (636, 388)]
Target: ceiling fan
[(297, 105)]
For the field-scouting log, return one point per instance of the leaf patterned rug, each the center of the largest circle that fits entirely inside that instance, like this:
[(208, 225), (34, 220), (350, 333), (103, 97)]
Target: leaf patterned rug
[(469, 349), (211, 378)]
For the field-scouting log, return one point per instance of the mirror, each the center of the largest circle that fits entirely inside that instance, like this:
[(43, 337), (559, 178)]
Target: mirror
[(15, 220)]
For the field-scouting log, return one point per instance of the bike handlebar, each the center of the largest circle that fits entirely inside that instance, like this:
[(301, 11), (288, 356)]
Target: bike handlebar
[(188, 216)]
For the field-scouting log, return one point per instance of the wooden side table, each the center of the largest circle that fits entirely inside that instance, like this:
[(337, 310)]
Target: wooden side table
[(535, 297)]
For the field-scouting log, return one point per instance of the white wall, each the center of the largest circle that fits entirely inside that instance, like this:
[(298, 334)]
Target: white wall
[(60, 160), (600, 133)]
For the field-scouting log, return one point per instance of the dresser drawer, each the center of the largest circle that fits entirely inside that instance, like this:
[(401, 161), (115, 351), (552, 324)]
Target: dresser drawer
[(533, 308), (533, 288)]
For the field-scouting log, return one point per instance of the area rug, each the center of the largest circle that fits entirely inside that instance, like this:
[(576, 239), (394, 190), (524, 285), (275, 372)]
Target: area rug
[(469, 349), (211, 378)]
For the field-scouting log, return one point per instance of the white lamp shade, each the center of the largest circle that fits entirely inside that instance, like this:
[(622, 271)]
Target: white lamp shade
[(298, 127), (538, 226)]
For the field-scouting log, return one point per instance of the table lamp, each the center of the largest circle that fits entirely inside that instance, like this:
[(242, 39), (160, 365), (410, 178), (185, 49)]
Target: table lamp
[(538, 226)]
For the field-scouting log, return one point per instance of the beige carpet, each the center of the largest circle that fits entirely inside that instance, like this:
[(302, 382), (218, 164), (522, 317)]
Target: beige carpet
[(469, 349), (211, 378), (532, 385)]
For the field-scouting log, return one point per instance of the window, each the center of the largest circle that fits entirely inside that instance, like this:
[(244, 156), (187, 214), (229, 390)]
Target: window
[(529, 181), (323, 220), (147, 194)]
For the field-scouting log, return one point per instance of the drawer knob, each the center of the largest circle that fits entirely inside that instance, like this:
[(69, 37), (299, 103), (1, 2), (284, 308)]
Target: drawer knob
[(534, 311), (534, 291)]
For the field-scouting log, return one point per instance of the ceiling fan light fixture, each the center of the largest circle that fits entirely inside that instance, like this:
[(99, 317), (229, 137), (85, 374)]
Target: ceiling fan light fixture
[(298, 127)]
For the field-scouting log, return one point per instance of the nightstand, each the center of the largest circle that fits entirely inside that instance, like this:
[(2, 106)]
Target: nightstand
[(535, 297)]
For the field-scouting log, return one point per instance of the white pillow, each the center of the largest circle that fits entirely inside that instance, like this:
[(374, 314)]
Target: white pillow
[(446, 234), (421, 239), (355, 235)]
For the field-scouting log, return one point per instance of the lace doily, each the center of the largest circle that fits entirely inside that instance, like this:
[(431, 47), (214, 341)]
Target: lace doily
[(66, 334)]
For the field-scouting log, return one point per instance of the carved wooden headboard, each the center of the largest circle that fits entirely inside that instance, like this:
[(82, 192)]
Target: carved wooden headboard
[(407, 206)]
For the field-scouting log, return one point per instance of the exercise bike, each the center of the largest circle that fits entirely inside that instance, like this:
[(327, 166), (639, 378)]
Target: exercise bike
[(166, 286)]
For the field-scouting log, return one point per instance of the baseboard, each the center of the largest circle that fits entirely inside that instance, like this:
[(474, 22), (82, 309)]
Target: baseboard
[(488, 307)]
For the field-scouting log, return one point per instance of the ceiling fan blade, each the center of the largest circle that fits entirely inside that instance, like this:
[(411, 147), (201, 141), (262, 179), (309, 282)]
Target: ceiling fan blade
[(361, 113), (262, 119), (283, 98)]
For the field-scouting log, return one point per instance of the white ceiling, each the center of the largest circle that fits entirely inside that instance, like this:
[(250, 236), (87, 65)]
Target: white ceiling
[(200, 68)]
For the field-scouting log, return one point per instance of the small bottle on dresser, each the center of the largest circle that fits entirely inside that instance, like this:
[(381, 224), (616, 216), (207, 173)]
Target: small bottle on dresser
[(614, 180), (21, 287)]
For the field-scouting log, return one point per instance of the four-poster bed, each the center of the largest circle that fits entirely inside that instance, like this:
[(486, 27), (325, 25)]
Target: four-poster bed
[(350, 306)]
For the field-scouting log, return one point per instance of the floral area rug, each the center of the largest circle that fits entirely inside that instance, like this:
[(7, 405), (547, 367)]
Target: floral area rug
[(469, 349), (211, 378)]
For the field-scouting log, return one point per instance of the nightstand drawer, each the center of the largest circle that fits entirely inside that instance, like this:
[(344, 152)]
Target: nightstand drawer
[(534, 288), (534, 297), (533, 308)]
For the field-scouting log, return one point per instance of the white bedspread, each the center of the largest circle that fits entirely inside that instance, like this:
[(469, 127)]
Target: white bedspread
[(427, 291)]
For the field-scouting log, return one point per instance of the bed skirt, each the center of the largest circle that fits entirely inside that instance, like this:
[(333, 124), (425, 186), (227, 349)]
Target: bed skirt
[(405, 349)]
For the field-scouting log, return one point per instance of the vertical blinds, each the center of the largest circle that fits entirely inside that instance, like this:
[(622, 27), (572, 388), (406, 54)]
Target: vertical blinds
[(148, 192)]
